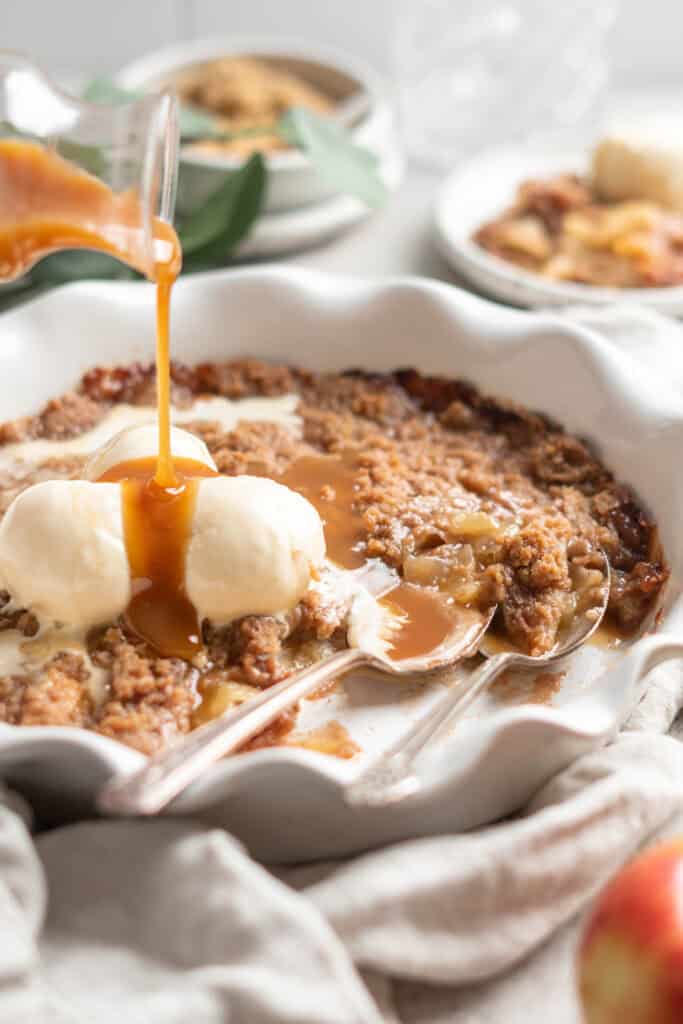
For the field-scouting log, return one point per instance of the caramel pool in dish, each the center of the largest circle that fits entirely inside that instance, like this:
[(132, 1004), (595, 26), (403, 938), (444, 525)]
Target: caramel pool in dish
[(471, 501)]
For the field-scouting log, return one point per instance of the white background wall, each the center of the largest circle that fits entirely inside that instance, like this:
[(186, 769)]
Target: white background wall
[(83, 37)]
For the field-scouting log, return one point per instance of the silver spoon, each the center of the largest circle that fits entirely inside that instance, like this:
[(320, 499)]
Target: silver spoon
[(169, 772), (391, 777)]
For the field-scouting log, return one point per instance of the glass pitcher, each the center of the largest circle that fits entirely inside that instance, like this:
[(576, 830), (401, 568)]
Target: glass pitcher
[(130, 153)]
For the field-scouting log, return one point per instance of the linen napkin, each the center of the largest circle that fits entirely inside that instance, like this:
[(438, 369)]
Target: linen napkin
[(166, 921)]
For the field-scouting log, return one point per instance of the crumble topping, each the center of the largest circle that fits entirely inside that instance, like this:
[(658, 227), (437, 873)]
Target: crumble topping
[(481, 497)]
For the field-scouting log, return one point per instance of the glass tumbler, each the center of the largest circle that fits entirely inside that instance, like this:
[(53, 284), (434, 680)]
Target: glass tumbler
[(475, 73), (132, 149)]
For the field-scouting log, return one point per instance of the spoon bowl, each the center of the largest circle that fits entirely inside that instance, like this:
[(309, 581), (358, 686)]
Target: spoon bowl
[(168, 773), (390, 778)]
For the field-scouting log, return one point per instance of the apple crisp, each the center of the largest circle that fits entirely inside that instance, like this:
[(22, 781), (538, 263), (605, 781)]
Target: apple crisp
[(481, 499), (559, 228)]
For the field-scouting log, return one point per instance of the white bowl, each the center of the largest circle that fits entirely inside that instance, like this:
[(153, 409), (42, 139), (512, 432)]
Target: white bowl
[(292, 180), (287, 804), (480, 189)]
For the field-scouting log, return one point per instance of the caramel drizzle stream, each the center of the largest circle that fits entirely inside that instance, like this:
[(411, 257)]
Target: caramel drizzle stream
[(157, 525), (165, 475), (51, 205)]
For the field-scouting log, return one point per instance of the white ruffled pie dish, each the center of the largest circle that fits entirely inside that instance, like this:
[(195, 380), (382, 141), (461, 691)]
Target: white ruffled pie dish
[(287, 803)]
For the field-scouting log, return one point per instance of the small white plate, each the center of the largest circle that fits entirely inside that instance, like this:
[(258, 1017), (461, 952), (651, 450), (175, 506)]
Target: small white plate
[(482, 188), (287, 804)]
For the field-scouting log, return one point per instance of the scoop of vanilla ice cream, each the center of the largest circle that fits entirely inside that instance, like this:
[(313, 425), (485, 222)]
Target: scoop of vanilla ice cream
[(139, 442), (252, 548), (62, 552), (642, 160), (252, 545)]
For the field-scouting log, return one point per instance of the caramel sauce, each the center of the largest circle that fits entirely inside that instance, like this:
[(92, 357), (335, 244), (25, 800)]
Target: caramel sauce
[(157, 522), (218, 695), (523, 688), (546, 686), (608, 636), (164, 471), (50, 204), (328, 482), (331, 739), (429, 619), (496, 642)]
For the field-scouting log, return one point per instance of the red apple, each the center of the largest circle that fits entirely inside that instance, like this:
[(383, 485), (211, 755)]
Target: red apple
[(630, 967)]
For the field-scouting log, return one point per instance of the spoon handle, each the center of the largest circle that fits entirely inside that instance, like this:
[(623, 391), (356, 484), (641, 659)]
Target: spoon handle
[(150, 788), (391, 777)]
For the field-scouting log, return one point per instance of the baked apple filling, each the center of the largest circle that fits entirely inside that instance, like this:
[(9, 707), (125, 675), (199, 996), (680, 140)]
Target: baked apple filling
[(470, 502)]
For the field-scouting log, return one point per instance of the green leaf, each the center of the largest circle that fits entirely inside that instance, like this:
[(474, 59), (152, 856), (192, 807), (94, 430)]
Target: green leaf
[(343, 164), (18, 296), (103, 90), (90, 158), (226, 216), (193, 123), (62, 268), (8, 131), (78, 265)]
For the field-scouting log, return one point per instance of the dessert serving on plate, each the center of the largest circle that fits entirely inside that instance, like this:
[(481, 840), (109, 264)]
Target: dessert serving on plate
[(619, 226)]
